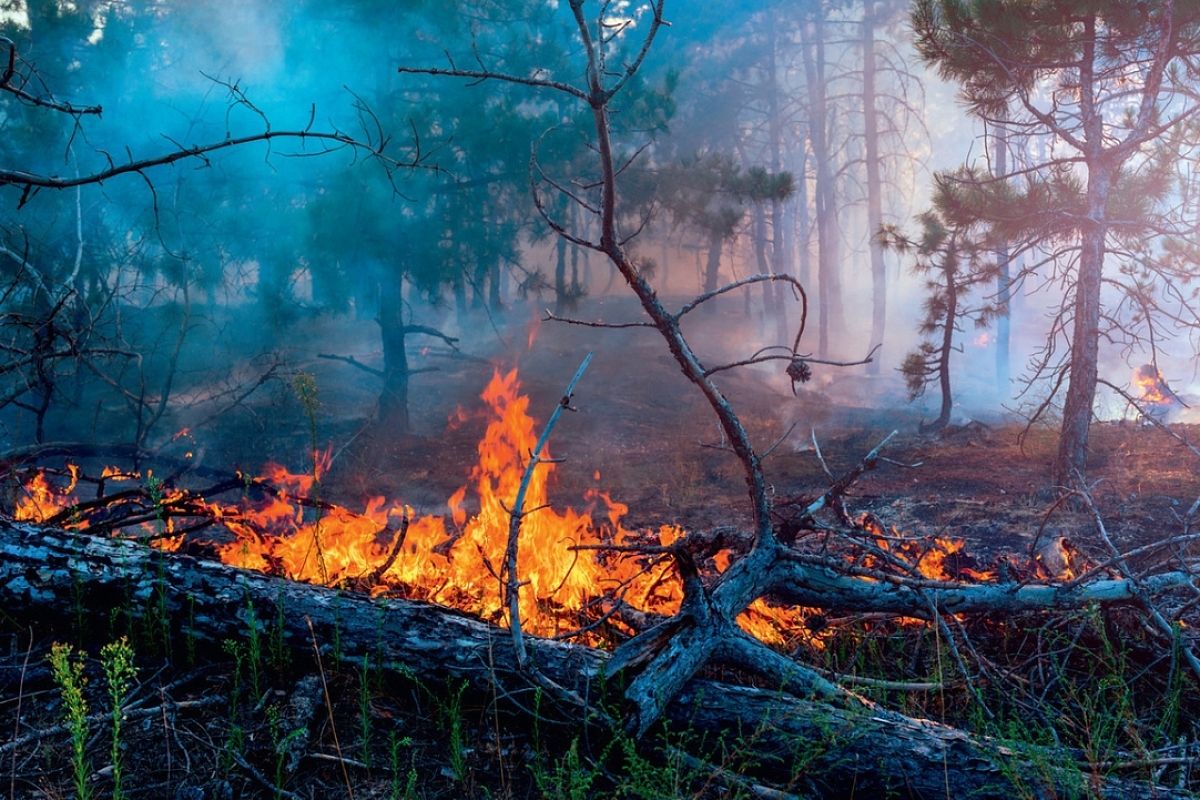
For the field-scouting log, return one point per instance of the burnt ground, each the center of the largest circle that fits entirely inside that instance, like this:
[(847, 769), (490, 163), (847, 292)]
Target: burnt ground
[(656, 448)]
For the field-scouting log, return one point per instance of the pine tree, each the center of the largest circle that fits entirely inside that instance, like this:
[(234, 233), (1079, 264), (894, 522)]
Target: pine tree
[(1109, 82)]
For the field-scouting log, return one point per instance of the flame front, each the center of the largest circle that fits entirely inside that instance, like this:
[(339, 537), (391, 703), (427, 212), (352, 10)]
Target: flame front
[(568, 577), (40, 501), (461, 568)]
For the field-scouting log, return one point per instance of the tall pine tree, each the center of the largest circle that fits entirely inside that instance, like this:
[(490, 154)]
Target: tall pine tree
[(1109, 82)]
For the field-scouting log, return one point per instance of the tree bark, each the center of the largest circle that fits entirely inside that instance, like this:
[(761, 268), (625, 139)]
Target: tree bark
[(820, 747), (1085, 334), (393, 399)]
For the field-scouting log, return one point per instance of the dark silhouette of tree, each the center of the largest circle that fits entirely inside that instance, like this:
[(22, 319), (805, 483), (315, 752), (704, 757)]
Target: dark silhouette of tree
[(100, 289), (954, 261)]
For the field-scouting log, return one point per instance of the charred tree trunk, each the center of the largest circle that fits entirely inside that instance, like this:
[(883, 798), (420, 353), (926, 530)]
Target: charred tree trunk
[(48, 575), (393, 399)]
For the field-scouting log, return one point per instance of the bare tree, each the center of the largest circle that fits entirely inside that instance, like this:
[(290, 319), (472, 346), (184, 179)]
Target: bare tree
[(770, 560)]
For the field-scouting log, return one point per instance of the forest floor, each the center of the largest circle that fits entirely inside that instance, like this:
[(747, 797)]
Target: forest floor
[(642, 434)]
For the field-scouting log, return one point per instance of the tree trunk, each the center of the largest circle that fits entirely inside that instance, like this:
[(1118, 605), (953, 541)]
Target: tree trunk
[(780, 241), (663, 256), (1003, 281), (759, 244), (947, 349), (1085, 337), (1085, 334), (712, 270), (828, 300), (393, 399), (575, 277), (874, 186), (495, 286), (803, 221), (560, 276), (461, 303)]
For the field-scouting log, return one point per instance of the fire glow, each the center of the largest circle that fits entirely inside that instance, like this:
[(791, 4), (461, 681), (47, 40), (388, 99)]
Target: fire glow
[(456, 560), (1153, 389)]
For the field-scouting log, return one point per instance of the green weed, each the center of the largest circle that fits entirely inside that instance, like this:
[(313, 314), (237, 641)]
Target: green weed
[(68, 675), (116, 660)]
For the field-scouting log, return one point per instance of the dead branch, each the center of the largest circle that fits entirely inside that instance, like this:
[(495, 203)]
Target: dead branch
[(45, 574), (352, 361), (1137, 585), (517, 514), (552, 317), (332, 140), (6, 85)]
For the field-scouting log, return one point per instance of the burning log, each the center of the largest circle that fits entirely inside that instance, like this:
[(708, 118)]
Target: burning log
[(46, 574)]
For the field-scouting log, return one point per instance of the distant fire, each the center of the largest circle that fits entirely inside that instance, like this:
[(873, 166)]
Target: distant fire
[(1153, 389), (535, 327), (456, 560)]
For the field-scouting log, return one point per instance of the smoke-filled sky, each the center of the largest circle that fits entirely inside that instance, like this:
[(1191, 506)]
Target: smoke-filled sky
[(280, 229)]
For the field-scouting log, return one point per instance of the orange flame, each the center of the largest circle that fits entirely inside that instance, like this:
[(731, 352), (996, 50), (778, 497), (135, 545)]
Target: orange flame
[(42, 501), (563, 568), (535, 327), (1149, 381)]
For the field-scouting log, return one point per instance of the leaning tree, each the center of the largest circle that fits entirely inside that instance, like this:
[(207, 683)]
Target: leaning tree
[(1112, 85)]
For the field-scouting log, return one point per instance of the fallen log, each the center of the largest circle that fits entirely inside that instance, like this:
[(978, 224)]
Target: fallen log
[(814, 747)]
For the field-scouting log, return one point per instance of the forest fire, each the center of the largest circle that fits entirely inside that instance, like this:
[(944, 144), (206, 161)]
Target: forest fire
[(41, 501), (455, 560), (429, 606), (1152, 389)]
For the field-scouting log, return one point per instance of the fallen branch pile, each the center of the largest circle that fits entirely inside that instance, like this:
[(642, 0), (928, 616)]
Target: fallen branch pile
[(845, 742)]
